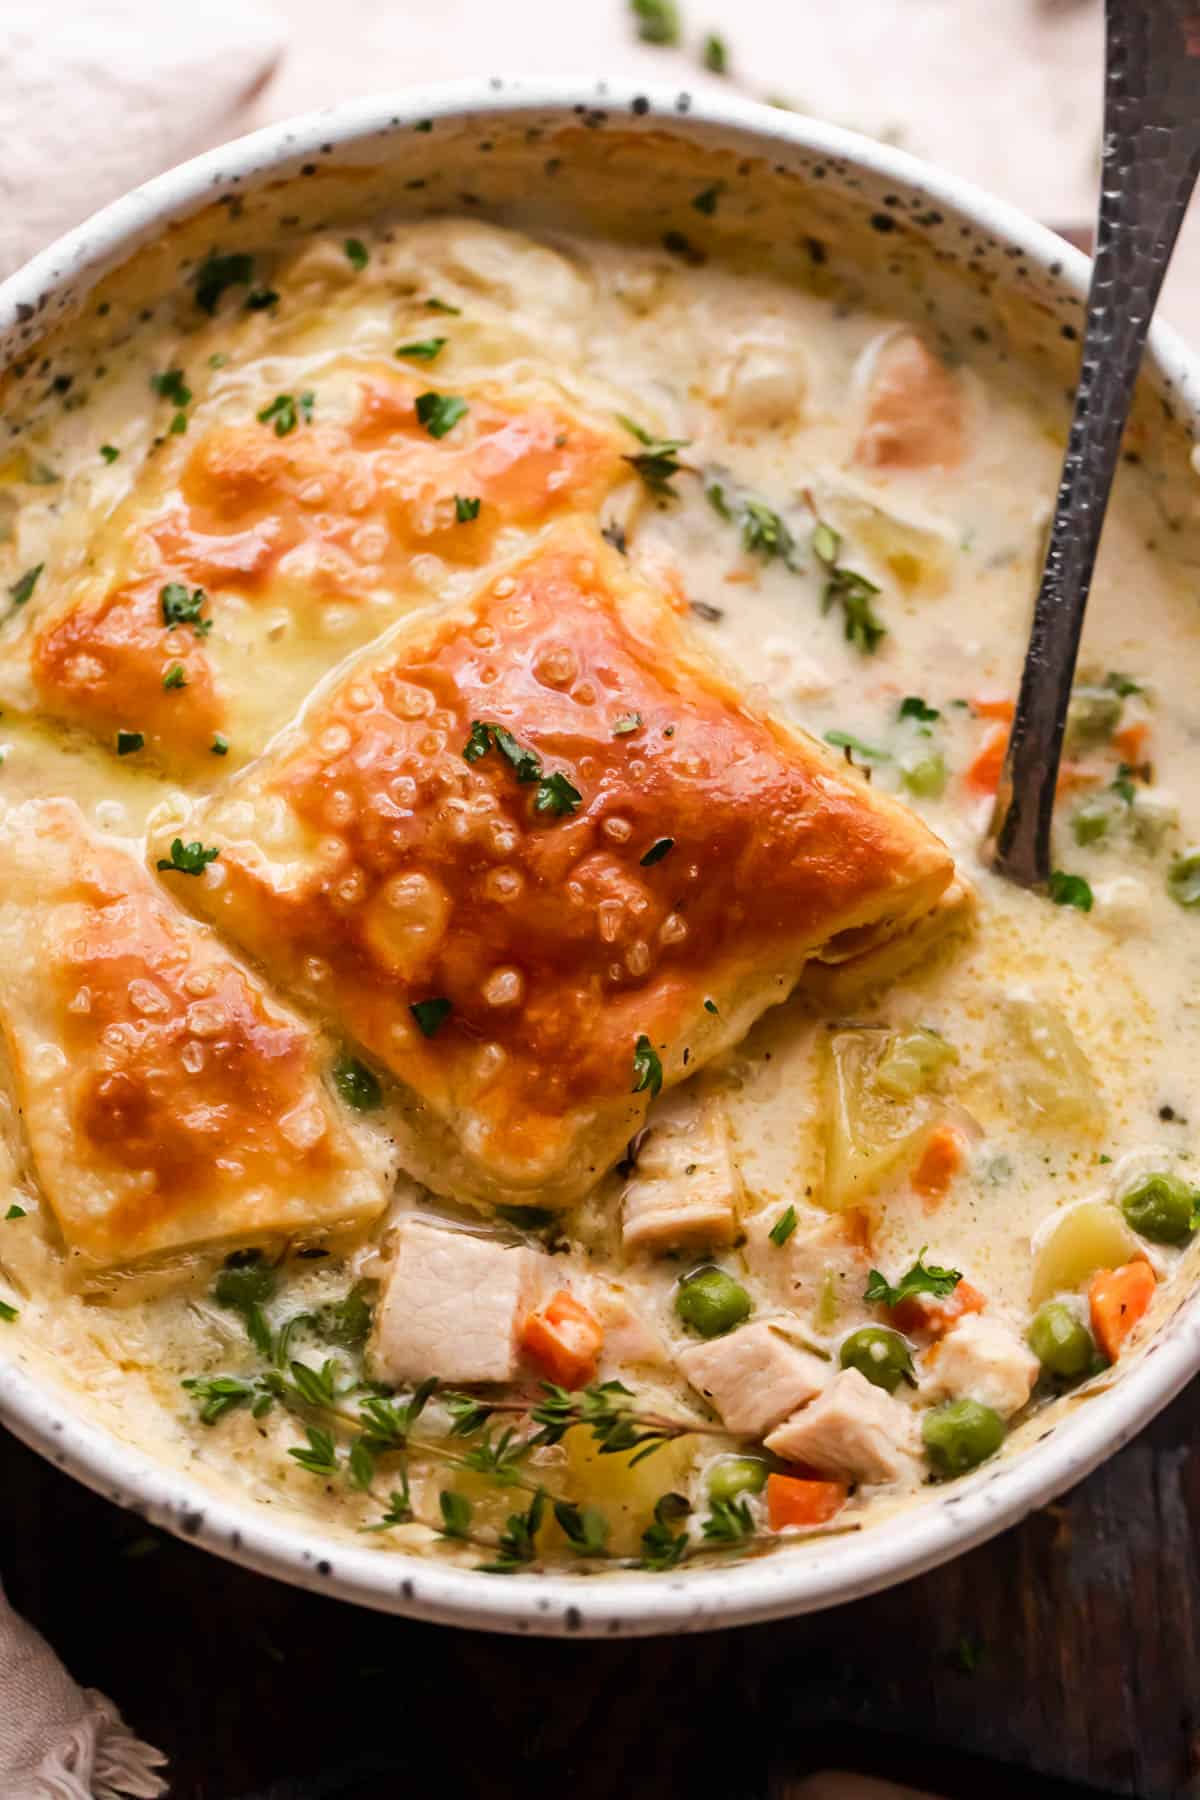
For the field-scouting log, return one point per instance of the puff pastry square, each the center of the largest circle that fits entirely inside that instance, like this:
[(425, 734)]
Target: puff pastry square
[(414, 840), (168, 1101), (248, 560)]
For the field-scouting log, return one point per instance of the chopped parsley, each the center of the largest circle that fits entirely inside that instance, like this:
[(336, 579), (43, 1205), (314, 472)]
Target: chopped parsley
[(915, 708), (219, 745), (171, 386), (22, 590), (1122, 684), (358, 1085), (783, 1227), (658, 462), (627, 723), (424, 350), (129, 741), (556, 795), (16, 1212), (658, 21), (715, 55), (433, 304), (647, 1068), (109, 452), (218, 273), (285, 412), (842, 740), (356, 253), (178, 425), (181, 607), (431, 1015), (175, 677), (710, 1006), (706, 201), (259, 299), (660, 848), (922, 1278), (466, 508), (7, 1313), (1070, 890), (440, 413), (187, 859), (847, 589)]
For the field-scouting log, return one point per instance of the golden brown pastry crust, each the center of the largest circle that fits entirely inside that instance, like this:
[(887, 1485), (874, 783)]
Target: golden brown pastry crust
[(370, 866), (168, 1101)]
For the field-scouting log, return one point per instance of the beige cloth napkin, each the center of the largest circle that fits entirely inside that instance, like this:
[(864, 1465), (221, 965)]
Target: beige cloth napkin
[(59, 1741), (96, 96)]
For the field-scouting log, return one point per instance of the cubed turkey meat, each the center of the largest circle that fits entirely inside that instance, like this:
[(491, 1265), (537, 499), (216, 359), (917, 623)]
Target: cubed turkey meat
[(452, 1306), (754, 1377), (852, 1429), (685, 1189), (981, 1359)]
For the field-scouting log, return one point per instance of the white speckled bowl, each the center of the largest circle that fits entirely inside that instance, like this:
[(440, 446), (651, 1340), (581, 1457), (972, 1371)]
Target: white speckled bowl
[(571, 151)]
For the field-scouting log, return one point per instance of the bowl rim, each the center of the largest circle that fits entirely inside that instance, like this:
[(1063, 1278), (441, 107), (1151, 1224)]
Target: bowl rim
[(787, 1581)]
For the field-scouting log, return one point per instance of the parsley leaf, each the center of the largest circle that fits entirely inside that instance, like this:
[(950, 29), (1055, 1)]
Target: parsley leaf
[(658, 463), (440, 413), (219, 745), (179, 607), (657, 21), (188, 859), (1069, 890), (22, 590), (647, 1068), (260, 299), (443, 306), (218, 273), (7, 1313), (128, 742), (431, 1015), (1122, 684), (466, 508), (109, 452), (783, 1227), (171, 386), (424, 350), (922, 1278), (715, 55), (15, 1212), (174, 677), (556, 795), (285, 412), (710, 1006), (526, 764), (346, 1321), (660, 848), (915, 708), (356, 253), (357, 1085), (247, 1281)]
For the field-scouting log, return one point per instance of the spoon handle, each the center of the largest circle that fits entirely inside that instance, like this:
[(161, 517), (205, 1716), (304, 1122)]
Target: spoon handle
[(1151, 160)]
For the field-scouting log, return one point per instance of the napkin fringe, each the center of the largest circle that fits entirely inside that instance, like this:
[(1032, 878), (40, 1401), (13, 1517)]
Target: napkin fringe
[(100, 1759)]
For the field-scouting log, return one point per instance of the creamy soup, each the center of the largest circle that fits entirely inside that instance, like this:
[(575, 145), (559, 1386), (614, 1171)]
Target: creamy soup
[(509, 1044)]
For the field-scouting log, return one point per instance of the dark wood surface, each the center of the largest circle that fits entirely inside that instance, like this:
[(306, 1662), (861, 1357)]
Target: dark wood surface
[(1082, 1624)]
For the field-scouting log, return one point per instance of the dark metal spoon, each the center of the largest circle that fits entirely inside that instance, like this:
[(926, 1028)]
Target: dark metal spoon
[(1151, 160)]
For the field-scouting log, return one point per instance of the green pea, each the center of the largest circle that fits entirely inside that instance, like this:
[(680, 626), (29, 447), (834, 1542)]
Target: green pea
[(1092, 716), (735, 1475), (1183, 879), (925, 775), (246, 1280), (961, 1434), (712, 1302), (881, 1355), (1161, 1207), (1061, 1341)]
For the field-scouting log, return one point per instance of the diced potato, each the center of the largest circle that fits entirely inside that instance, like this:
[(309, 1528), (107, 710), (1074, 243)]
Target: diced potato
[(626, 1496), (868, 1131), (1073, 1244), (916, 552), (1047, 1070)]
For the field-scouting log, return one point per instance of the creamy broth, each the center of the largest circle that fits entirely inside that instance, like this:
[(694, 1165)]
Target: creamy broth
[(927, 1124)]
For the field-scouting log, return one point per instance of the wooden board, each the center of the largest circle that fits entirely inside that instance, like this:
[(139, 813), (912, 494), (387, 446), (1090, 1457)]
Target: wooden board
[(1082, 1623)]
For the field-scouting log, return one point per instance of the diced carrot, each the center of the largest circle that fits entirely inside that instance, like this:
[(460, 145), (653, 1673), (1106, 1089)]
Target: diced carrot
[(795, 1500), (1131, 741), (939, 1163), (925, 1312), (1073, 775), (1118, 1298), (984, 773), (565, 1338), (994, 709)]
